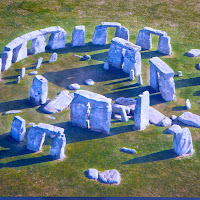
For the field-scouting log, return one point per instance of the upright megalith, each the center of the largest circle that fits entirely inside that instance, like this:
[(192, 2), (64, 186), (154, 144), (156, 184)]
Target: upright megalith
[(6, 57), (161, 78), (122, 32), (144, 40), (53, 57), (23, 72), (100, 35), (39, 90), (18, 129), (183, 142), (78, 36), (141, 116), (38, 44), (164, 45), (58, 147), (57, 40)]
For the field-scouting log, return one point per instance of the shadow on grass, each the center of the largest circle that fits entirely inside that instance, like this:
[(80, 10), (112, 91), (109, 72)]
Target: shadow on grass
[(116, 82), (158, 156), (197, 93), (151, 54), (10, 83), (9, 77), (127, 86), (100, 56), (179, 108), (187, 82)]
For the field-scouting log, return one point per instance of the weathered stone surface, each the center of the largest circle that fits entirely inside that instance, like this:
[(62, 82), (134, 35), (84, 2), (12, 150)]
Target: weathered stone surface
[(116, 108), (12, 112), (92, 174), (141, 115), (164, 45), (188, 104), (110, 24), (20, 52), (39, 90), (18, 129), (31, 35), (173, 117), (14, 43), (190, 119), (39, 62), (38, 44), (31, 124), (33, 73), (57, 40), (144, 39), (132, 74), (89, 82), (6, 57), (110, 177), (100, 35), (106, 66), (128, 150), (155, 31), (183, 142), (129, 102), (174, 129), (74, 86), (193, 53), (166, 122), (140, 81), (122, 32), (58, 147), (78, 36), (18, 79), (179, 73), (59, 103), (23, 72), (86, 57), (52, 29), (35, 139), (53, 57)]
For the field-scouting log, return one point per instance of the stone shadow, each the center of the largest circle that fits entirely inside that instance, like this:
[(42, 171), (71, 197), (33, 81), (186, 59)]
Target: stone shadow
[(116, 82), (187, 82), (9, 77), (151, 54), (197, 93), (179, 108), (158, 156), (100, 56), (127, 86)]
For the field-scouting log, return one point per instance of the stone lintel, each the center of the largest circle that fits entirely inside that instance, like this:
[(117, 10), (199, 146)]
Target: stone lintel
[(14, 43), (110, 24), (154, 31)]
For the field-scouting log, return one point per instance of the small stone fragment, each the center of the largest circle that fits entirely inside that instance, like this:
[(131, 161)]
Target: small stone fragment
[(53, 57), (174, 129), (110, 177), (132, 75), (18, 79), (33, 73), (89, 82), (74, 86), (92, 174), (128, 150), (188, 104), (140, 81), (23, 71), (193, 53), (86, 57), (165, 122), (39, 62), (179, 73), (106, 66)]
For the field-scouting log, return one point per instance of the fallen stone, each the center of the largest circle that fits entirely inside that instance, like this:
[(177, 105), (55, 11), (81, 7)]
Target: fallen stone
[(53, 57), (129, 102), (183, 142), (173, 117), (116, 109), (39, 62), (33, 73), (188, 104), (18, 79), (128, 150), (12, 112), (50, 117), (92, 174), (59, 103), (140, 81), (165, 122), (74, 86), (18, 129), (23, 71), (179, 73), (193, 53), (190, 119), (86, 57), (106, 66), (174, 129), (110, 177), (89, 82), (31, 124)]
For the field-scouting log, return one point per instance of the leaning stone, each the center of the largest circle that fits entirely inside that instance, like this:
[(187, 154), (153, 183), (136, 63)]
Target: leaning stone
[(179, 73), (12, 112), (106, 66), (128, 150), (140, 81), (39, 62), (193, 53), (183, 142), (33, 73), (74, 86), (89, 82), (59, 103), (53, 57), (100, 35), (110, 177), (132, 75), (92, 174), (18, 79), (78, 36), (188, 104), (23, 71), (174, 129), (116, 109), (190, 119), (18, 129)]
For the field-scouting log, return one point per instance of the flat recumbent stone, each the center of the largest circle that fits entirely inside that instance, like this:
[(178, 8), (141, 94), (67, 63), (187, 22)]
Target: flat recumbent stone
[(110, 177), (89, 82), (193, 53)]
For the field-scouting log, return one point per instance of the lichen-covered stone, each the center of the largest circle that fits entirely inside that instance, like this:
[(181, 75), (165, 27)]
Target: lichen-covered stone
[(39, 62), (187, 104)]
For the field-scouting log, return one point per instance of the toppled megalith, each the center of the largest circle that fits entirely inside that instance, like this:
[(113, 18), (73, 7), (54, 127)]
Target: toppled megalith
[(92, 110), (78, 36), (141, 116), (18, 129), (190, 119), (183, 142), (39, 90)]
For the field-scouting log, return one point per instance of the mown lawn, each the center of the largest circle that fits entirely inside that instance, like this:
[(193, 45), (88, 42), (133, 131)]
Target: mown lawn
[(154, 171)]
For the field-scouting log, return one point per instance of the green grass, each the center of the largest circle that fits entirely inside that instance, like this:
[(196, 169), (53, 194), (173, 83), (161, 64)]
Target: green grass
[(153, 171)]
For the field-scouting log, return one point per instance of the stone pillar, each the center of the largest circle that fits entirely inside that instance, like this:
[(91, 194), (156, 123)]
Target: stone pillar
[(57, 40), (20, 52), (39, 90), (164, 45), (115, 56), (35, 139), (154, 77), (38, 44), (144, 39), (18, 129), (141, 115), (100, 35), (100, 117), (78, 36), (23, 72), (58, 147), (183, 142), (80, 114), (122, 32), (6, 57)]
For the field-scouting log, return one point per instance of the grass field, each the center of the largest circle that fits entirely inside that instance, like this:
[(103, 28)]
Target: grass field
[(154, 171)]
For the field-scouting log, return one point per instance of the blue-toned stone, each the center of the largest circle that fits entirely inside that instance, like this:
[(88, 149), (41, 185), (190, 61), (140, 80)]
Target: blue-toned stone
[(78, 36), (100, 35)]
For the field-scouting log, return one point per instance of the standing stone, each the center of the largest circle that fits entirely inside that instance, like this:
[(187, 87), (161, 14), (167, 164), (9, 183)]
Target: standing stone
[(132, 75), (141, 116), (122, 32), (35, 139), (188, 104), (18, 129), (78, 36), (39, 62), (100, 35), (20, 52), (6, 57), (57, 40), (39, 90), (164, 45), (140, 81), (38, 44), (106, 66), (18, 80), (179, 73), (53, 57), (144, 39), (0, 67), (58, 147), (123, 115), (23, 71), (183, 142)]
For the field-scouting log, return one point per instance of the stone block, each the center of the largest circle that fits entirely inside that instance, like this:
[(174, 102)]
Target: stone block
[(31, 35), (190, 119), (57, 40), (164, 45), (100, 35), (193, 53), (174, 129), (187, 104), (110, 177), (111, 24), (78, 36), (39, 62), (52, 29), (132, 74), (122, 32), (6, 57), (92, 174), (38, 44), (144, 39)]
